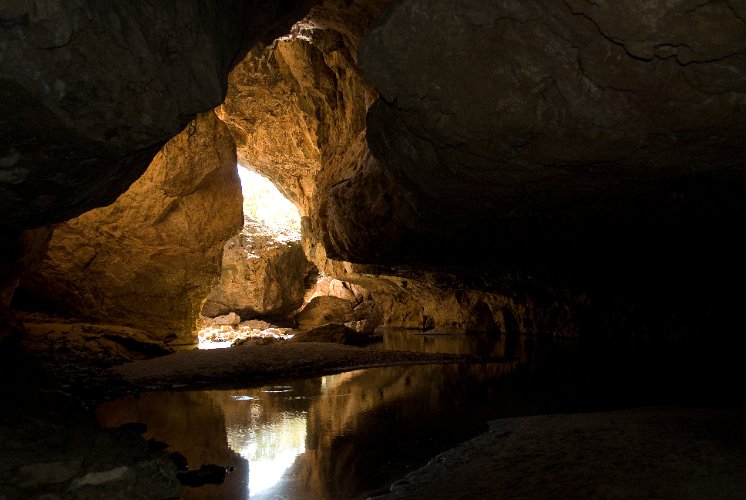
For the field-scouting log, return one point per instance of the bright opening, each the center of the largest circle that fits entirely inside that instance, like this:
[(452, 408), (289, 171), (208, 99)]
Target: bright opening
[(263, 202)]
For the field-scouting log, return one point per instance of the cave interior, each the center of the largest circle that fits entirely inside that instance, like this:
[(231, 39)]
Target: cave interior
[(560, 169)]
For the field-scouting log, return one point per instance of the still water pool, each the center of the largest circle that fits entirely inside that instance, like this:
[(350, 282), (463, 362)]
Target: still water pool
[(353, 434), (348, 435)]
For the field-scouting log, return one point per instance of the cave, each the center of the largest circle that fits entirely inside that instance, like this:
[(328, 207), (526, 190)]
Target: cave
[(518, 248)]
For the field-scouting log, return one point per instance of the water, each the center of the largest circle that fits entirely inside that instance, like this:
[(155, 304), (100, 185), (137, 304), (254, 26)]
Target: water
[(353, 434), (340, 436)]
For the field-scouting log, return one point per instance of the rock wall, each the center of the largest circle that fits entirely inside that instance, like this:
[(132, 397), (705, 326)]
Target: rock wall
[(297, 110), (91, 90), (149, 259), (533, 156), (296, 106), (561, 130)]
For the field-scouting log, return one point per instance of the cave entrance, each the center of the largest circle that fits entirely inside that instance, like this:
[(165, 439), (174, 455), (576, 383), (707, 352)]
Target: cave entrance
[(264, 271), (263, 202)]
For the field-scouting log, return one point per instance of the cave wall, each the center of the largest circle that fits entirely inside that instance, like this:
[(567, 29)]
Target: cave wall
[(91, 90), (457, 159), (581, 126), (149, 259), (297, 111)]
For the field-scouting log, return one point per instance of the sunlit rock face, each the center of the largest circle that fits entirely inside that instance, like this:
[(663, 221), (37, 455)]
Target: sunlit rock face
[(263, 274), (297, 110), (149, 259), (91, 90), (296, 107)]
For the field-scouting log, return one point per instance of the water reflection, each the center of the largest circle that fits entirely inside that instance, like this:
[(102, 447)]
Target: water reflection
[(486, 345), (341, 436)]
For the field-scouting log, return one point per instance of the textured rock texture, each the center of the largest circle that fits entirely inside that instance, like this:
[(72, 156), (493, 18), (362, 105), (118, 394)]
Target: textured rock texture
[(297, 111), (91, 90), (297, 107), (324, 309), (149, 259), (58, 343), (554, 131), (263, 274)]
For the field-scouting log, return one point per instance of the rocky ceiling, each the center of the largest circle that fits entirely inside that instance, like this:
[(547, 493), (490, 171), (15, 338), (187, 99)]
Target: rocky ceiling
[(582, 144)]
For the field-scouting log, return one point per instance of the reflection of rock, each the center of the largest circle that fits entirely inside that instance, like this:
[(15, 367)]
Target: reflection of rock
[(346, 436), (263, 273), (149, 259), (332, 332), (324, 309), (192, 425)]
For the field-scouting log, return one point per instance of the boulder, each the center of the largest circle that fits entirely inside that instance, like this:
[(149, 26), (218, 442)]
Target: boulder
[(324, 309), (263, 273), (230, 319)]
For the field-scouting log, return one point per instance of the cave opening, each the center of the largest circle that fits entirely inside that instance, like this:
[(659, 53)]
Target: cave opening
[(236, 307), (263, 202)]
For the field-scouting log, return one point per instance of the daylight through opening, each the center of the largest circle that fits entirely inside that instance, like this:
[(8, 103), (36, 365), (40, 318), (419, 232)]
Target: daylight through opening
[(263, 202), (268, 245)]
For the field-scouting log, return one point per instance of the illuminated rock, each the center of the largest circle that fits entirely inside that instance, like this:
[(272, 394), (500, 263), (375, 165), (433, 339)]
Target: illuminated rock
[(263, 274), (149, 259)]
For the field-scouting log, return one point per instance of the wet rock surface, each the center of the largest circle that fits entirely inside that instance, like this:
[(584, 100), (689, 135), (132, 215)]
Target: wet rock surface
[(80, 461)]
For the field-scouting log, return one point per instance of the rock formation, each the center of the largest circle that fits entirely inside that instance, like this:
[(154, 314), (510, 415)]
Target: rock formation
[(149, 259), (263, 274), (94, 90), (580, 127), (558, 166), (297, 112)]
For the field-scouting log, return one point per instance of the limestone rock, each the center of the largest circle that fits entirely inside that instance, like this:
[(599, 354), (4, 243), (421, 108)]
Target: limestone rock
[(149, 259), (90, 91), (256, 324), (324, 309), (368, 316), (331, 332), (327, 285), (263, 274)]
